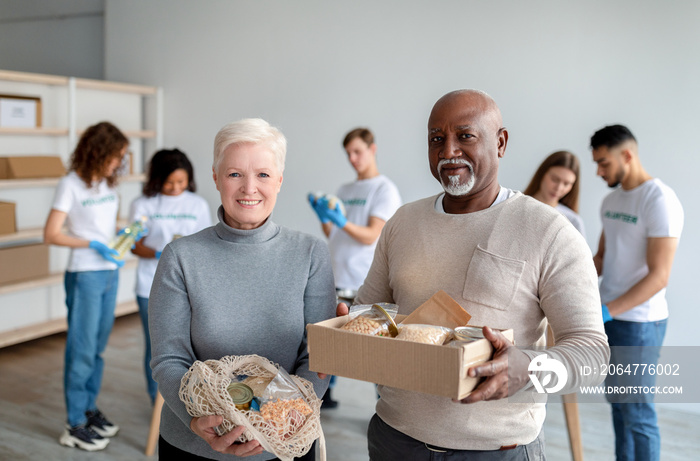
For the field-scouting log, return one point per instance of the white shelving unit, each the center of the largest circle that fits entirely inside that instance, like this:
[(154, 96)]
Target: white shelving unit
[(34, 308)]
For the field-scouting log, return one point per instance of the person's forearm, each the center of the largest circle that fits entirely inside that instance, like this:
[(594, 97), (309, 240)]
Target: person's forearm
[(326, 226), (143, 251), (362, 234), (66, 240), (598, 257), (598, 262), (640, 292)]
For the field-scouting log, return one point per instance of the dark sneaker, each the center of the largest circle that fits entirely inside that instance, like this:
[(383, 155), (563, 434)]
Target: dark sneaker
[(83, 437), (98, 423)]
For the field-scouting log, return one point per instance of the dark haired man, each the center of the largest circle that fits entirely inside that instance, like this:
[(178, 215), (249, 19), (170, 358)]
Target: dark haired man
[(368, 203), (642, 223)]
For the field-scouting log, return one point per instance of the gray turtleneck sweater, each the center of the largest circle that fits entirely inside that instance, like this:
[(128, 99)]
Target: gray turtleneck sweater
[(225, 291)]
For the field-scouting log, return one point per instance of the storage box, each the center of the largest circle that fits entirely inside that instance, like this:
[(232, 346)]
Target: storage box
[(437, 370), (31, 167), (20, 111), (23, 262), (8, 225)]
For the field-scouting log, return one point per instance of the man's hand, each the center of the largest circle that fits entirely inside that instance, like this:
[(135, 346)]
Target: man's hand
[(319, 208), (341, 310), (503, 378), (336, 216), (204, 427)]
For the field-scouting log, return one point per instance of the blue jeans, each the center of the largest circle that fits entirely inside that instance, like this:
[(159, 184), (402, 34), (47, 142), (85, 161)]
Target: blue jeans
[(91, 298), (634, 416), (151, 385)]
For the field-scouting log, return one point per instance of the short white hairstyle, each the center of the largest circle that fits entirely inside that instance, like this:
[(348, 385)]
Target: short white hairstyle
[(253, 131)]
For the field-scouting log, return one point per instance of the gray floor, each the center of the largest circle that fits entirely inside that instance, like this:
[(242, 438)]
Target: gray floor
[(32, 411)]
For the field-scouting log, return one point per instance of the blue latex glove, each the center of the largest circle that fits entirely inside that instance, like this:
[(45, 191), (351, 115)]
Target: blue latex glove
[(606, 314), (335, 215), (158, 253), (142, 234), (318, 208), (106, 252)]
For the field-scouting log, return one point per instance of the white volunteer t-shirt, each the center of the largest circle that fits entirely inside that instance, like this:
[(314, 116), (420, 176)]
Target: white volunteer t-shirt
[(503, 194), (91, 215), (629, 219), (167, 216), (351, 259)]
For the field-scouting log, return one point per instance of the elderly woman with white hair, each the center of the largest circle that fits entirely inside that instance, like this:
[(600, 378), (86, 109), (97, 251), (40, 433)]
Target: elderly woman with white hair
[(244, 286)]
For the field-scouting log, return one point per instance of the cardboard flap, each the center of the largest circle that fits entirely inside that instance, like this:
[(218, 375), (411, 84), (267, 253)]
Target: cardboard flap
[(440, 310)]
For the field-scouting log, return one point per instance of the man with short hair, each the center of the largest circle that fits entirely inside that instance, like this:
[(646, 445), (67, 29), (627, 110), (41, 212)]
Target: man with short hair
[(642, 223), (353, 228), (508, 260)]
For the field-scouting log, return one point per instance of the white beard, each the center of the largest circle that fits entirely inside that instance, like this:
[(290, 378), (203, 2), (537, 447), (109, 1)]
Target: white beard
[(455, 187)]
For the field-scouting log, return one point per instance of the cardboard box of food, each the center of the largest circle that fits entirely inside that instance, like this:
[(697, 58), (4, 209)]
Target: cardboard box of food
[(8, 224), (31, 167), (23, 262), (432, 369), (20, 111)]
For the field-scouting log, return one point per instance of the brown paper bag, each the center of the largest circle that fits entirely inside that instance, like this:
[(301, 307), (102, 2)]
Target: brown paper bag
[(440, 309)]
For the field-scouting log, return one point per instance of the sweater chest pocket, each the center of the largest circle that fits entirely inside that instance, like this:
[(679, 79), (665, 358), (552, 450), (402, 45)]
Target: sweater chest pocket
[(492, 280)]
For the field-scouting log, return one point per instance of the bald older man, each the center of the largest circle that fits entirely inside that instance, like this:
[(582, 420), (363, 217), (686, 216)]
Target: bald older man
[(511, 262)]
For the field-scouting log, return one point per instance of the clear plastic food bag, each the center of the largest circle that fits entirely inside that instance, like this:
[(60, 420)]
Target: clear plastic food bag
[(373, 319), (292, 424), (282, 404), (421, 333)]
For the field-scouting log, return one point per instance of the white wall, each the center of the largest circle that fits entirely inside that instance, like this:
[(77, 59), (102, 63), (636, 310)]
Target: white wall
[(52, 37), (559, 71)]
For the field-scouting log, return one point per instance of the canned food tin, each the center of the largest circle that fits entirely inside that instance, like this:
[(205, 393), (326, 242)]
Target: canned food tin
[(241, 394), (468, 333)]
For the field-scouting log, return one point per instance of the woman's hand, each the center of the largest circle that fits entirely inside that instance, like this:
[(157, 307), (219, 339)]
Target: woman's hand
[(204, 427), (341, 310), (141, 250)]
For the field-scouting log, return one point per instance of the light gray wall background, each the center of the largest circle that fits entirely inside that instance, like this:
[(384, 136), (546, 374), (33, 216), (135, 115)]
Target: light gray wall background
[(64, 37), (315, 69)]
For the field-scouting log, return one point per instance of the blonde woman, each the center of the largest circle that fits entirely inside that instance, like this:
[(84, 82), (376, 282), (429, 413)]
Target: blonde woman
[(244, 286), (556, 183)]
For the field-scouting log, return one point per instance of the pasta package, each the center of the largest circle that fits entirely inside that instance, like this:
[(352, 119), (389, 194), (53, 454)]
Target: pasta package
[(373, 319), (421, 333)]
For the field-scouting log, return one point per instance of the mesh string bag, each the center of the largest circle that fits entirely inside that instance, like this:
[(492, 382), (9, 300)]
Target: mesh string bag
[(287, 435)]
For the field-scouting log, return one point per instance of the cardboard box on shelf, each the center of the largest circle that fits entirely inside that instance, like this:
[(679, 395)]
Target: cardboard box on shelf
[(20, 111), (432, 369), (23, 262), (8, 225), (31, 167)]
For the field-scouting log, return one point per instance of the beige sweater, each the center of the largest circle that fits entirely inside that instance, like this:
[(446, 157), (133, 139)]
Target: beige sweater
[(518, 264)]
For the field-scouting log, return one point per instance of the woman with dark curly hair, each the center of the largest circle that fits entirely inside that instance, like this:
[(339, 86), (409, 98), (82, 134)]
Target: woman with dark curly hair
[(86, 201)]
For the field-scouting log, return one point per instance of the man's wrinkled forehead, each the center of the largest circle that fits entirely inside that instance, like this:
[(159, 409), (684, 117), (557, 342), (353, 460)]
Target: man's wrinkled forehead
[(464, 108)]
